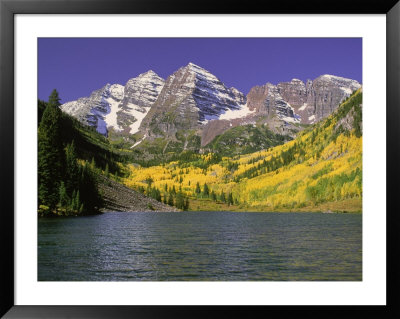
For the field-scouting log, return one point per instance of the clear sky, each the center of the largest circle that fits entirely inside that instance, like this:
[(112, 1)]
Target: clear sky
[(78, 66)]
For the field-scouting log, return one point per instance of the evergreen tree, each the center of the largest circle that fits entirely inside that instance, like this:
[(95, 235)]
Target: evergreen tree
[(186, 204), (206, 191), (149, 181), (72, 201), (170, 200), (155, 193), (72, 170), (50, 153), (93, 164), (54, 98), (63, 197), (180, 203), (198, 190), (213, 196), (106, 172), (89, 193), (77, 202), (41, 107), (230, 199), (222, 197)]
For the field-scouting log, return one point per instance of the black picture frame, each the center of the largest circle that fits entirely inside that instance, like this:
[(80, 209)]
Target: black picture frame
[(8, 10)]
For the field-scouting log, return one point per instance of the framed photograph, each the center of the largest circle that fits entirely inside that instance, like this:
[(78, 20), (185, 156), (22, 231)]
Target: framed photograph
[(160, 155)]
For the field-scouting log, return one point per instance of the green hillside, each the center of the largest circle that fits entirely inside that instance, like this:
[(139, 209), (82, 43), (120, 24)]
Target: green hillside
[(319, 170), (245, 139), (70, 156)]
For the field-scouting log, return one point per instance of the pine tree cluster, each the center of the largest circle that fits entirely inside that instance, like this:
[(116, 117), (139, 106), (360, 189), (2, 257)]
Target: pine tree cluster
[(65, 187)]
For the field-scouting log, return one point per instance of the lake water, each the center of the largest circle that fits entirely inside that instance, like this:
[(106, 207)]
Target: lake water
[(200, 246)]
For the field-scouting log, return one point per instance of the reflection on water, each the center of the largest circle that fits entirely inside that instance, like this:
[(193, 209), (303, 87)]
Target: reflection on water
[(201, 246)]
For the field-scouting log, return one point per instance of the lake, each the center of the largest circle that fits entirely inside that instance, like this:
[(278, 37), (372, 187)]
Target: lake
[(201, 246)]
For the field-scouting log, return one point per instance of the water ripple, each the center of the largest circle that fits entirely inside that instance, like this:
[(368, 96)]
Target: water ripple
[(208, 246)]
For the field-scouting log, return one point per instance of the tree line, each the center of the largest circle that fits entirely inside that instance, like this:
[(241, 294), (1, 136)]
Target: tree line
[(65, 186)]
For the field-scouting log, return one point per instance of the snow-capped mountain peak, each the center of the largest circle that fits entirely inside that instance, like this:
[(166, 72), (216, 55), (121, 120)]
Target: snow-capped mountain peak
[(347, 85), (330, 77), (212, 97), (117, 107), (192, 99), (148, 75), (297, 81), (195, 66)]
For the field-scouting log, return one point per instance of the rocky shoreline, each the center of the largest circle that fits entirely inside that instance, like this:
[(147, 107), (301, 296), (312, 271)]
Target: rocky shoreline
[(119, 198)]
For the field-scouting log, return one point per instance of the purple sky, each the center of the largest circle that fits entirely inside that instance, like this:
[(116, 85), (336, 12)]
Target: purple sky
[(78, 66)]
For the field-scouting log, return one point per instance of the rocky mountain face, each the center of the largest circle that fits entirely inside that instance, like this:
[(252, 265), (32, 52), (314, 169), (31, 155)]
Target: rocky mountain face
[(314, 100), (283, 106), (190, 98), (264, 105), (194, 102), (118, 108), (92, 110)]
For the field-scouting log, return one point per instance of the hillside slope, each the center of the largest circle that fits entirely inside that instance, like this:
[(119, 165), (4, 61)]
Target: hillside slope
[(79, 169), (119, 198), (319, 170)]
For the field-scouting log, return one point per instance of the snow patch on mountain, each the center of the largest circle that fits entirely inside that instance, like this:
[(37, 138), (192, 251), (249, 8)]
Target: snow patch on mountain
[(290, 119), (303, 107), (111, 117), (116, 106), (346, 90), (211, 96), (116, 94), (139, 113), (236, 113), (138, 142), (101, 124), (346, 85)]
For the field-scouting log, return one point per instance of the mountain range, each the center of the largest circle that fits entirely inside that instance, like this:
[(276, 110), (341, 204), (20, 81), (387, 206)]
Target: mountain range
[(192, 107)]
